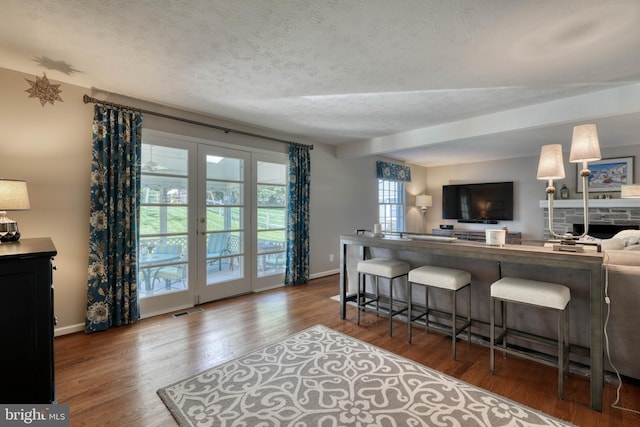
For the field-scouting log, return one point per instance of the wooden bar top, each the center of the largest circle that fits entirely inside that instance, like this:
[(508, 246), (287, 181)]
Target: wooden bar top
[(480, 250)]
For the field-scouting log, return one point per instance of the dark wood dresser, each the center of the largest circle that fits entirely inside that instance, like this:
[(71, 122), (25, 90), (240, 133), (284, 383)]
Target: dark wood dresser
[(27, 321)]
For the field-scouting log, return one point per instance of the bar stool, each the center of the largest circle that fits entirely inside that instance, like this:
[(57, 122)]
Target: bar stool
[(538, 294), (441, 278), (387, 269)]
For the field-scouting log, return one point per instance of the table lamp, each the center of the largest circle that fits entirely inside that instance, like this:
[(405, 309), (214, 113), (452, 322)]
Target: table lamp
[(550, 168), (13, 197), (585, 147)]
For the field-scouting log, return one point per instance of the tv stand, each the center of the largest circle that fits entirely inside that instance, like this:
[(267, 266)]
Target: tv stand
[(476, 236), (478, 221)]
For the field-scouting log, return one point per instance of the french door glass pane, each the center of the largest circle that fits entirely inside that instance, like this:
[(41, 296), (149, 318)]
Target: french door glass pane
[(225, 168), (270, 218), (163, 221), (271, 213), (224, 213)]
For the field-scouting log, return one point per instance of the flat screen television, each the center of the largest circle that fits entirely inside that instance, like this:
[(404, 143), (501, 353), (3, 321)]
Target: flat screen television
[(484, 202)]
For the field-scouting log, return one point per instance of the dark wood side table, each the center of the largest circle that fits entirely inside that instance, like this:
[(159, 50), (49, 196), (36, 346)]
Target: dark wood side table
[(27, 321)]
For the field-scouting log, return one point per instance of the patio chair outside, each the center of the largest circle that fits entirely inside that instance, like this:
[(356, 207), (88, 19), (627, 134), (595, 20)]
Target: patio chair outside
[(217, 246)]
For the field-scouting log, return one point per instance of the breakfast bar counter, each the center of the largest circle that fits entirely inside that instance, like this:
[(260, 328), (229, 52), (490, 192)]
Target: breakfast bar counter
[(582, 272)]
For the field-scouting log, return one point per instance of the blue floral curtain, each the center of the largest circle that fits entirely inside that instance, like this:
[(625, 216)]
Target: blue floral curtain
[(297, 269), (112, 295), (393, 172)]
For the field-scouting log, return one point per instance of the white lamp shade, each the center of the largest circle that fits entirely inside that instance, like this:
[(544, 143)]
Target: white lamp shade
[(13, 195), (424, 201), (630, 191), (551, 165), (585, 146)]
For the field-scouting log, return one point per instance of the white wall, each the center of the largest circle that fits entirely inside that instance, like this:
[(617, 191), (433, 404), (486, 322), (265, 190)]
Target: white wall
[(528, 217), (344, 198), (50, 148), (413, 215)]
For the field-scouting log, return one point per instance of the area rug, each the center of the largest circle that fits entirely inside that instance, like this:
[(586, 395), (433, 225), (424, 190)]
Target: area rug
[(321, 377)]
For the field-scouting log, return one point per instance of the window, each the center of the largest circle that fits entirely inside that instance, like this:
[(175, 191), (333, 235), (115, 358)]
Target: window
[(391, 205), (272, 218)]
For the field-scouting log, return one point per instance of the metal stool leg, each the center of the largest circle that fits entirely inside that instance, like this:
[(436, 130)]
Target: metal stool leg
[(453, 324), (390, 307), (492, 335), (409, 308), (377, 295), (503, 307), (469, 313), (358, 297), (560, 354), (567, 340), (426, 309), (561, 332)]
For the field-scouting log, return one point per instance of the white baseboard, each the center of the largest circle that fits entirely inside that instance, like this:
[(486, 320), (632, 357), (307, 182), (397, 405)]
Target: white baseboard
[(161, 312), (68, 329), (268, 288), (324, 273)]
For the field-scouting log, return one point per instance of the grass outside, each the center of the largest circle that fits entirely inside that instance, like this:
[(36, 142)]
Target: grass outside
[(151, 218)]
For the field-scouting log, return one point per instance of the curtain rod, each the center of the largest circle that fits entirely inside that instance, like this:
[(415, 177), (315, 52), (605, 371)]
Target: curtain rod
[(87, 99)]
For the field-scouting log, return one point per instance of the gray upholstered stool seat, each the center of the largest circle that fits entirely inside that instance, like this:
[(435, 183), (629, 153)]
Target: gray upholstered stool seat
[(449, 279), (387, 269), (538, 294)]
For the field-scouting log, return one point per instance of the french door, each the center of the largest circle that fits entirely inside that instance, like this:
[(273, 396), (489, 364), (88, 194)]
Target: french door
[(166, 227), (212, 222), (224, 208)]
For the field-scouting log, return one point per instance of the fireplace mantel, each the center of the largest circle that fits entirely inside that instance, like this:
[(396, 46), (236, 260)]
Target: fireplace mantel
[(593, 203)]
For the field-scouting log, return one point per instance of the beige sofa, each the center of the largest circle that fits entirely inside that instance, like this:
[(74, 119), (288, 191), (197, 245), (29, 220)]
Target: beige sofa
[(622, 311), (622, 268)]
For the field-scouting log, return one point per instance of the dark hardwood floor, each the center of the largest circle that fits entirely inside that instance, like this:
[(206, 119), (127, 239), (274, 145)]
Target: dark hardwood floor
[(111, 377)]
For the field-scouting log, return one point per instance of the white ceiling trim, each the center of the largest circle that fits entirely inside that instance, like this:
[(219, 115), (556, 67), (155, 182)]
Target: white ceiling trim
[(575, 109)]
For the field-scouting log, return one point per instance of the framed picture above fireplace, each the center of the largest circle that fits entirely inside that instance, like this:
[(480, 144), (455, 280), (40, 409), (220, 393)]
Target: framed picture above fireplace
[(607, 175)]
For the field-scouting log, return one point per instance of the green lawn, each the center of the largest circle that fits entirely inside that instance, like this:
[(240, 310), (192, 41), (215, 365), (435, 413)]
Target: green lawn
[(175, 217)]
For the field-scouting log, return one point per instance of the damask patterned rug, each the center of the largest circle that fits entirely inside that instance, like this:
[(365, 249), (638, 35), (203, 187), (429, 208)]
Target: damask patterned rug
[(321, 377)]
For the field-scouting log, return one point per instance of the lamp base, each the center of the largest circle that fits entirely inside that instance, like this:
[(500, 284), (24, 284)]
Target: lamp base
[(573, 245), (568, 248), (8, 229)]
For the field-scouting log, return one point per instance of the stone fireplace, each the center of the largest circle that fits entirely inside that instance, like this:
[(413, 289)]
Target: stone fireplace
[(606, 216), (603, 231)]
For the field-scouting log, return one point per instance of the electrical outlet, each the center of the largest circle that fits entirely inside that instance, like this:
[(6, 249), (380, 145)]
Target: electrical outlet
[(330, 257)]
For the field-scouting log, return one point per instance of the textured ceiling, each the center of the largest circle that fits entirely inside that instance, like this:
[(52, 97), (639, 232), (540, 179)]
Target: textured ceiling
[(357, 74)]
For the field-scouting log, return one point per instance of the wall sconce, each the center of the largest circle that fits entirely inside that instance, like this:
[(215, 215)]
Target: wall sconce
[(423, 202), (13, 197), (585, 147)]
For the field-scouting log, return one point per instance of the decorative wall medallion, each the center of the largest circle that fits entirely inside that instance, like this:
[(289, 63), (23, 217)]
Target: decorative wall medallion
[(44, 90)]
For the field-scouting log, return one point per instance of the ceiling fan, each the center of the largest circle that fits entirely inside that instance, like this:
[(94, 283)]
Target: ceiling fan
[(152, 166)]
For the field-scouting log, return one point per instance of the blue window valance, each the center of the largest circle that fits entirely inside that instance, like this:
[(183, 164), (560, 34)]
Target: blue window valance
[(393, 172)]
